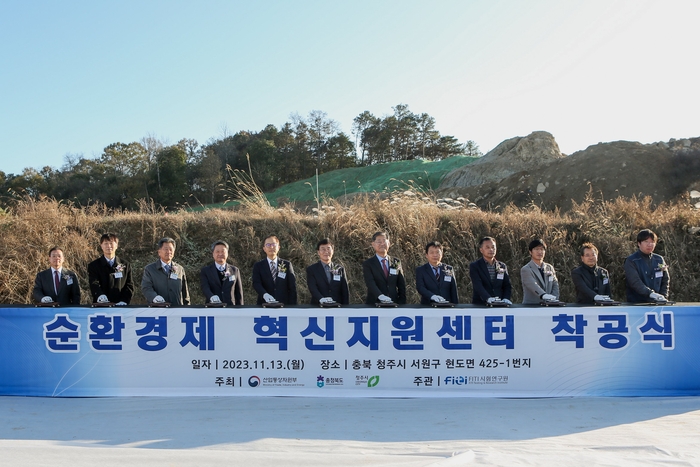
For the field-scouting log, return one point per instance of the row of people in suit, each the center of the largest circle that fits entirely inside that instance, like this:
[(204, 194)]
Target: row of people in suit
[(274, 280)]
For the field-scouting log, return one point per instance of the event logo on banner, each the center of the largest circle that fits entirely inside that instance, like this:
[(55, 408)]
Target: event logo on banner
[(365, 352)]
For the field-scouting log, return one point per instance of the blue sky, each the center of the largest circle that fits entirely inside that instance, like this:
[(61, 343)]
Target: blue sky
[(76, 76)]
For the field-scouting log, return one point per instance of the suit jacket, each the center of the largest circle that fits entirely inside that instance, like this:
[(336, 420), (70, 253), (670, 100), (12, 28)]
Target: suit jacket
[(228, 286), (484, 287), (103, 282), (68, 294), (642, 280), (533, 284), (393, 286), (319, 286), (427, 285), (283, 289), (590, 282), (157, 282)]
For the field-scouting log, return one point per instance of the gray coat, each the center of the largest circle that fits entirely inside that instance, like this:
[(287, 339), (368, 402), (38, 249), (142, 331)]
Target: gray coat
[(156, 282), (533, 284)]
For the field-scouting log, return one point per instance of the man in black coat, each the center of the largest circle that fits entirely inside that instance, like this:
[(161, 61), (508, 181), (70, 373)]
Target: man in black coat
[(592, 282), (56, 284), (273, 277), (490, 278), (221, 281), (435, 281), (646, 273), (383, 274), (326, 280), (110, 277)]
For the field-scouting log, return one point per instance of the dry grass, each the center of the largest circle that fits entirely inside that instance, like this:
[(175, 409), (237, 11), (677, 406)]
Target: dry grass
[(32, 227)]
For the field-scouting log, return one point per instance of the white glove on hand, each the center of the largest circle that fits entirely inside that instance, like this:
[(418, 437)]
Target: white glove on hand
[(158, 299), (268, 298), (384, 299), (120, 303), (46, 299), (491, 300), (437, 298), (657, 297), (548, 297), (214, 299), (602, 298), (506, 301), (102, 299), (326, 300)]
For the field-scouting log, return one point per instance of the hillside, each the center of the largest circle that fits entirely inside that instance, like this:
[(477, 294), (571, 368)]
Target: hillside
[(425, 175)]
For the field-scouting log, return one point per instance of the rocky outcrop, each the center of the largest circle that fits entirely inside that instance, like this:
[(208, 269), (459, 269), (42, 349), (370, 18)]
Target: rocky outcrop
[(511, 156)]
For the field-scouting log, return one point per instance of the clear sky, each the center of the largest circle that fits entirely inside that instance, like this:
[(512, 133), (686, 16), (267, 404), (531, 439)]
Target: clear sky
[(76, 76)]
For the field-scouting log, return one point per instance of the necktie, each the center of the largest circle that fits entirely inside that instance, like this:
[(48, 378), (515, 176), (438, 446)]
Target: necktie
[(56, 281), (437, 274), (327, 267), (273, 270), (385, 267), (167, 269)]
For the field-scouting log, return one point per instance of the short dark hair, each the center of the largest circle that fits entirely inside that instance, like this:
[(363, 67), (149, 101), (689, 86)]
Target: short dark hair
[(108, 237), (589, 246), (535, 243), (433, 244), (646, 234), (486, 239), (54, 249), (380, 234), (219, 242), (323, 241), (165, 240), (271, 236)]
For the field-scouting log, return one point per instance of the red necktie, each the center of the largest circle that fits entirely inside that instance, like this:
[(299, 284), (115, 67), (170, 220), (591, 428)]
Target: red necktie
[(386, 269), (56, 281)]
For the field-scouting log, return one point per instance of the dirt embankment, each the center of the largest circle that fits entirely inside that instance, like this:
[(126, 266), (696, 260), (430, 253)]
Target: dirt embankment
[(663, 171)]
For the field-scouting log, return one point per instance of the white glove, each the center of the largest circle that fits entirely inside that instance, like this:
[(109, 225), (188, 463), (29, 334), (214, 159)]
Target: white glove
[(548, 297), (506, 301), (268, 298), (46, 299), (102, 299), (657, 297), (437, 298), (120, 303), (384, 299), (326, 300), (491, 300), (602, 298), (158, 299), (214, 299)]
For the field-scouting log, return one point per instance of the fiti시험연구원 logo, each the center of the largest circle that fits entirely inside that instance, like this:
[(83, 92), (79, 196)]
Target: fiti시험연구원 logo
[(373, 381), (253, 381)]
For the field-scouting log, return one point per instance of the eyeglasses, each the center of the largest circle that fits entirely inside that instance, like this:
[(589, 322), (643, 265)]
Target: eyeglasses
[(270, 245)]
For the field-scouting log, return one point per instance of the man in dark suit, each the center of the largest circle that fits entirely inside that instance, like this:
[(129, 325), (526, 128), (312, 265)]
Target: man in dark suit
[(221, 281), (326, 280), (435, 281), (164, 281), (490, 278), (110, 278), (646, 273), (383, 274), (56, 284), (592, 282), (273, 277)]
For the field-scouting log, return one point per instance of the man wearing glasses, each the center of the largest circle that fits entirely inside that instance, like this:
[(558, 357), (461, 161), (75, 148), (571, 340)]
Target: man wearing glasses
[(646, 273), (383, 274), (273, 277)]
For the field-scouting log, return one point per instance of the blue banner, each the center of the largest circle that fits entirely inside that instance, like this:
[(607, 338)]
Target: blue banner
[(351, 351)]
